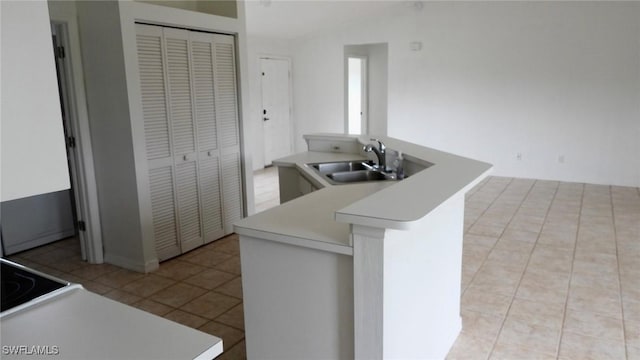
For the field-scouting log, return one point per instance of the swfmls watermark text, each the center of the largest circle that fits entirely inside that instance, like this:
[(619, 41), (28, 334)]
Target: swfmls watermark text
[(46, 350)]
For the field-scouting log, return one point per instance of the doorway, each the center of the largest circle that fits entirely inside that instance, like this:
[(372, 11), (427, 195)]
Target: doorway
[(357, 123), (83, 194), (365, 89), (276, 108), (41, 219), (57, 31)]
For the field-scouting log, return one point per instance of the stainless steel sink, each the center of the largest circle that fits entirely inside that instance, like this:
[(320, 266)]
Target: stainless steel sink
[(333, 167), (346, 172), (359, 176)]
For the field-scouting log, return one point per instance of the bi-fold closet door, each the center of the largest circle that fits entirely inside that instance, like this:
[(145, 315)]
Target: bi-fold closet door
[(190, 114)]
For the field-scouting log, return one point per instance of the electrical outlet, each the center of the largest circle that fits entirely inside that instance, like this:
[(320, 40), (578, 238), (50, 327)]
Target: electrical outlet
[(518, 156)]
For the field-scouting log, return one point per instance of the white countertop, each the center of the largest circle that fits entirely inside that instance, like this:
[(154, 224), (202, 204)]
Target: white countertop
[(409, 200), (310, 220), (325, 216), (78, 324)]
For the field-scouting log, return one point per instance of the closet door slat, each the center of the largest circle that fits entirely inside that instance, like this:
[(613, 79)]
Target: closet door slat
[(211, 198), (152, 80), (226, 93), (232, 190), (203, 85), (182, 124), (163, 211), (188, 206)]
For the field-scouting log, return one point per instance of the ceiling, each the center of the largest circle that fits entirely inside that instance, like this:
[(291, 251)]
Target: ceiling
[(291, 19)]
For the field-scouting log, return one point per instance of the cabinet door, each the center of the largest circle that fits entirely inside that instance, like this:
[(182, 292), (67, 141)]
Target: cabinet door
[(192, 136), (209, 167), (180, 94), (161, 185), (188, 206), (208, 150), (184, 130), (226, 103), (157, 139), (232, 190)]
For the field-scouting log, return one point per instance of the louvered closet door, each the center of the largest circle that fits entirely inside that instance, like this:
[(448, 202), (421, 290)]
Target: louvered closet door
[(183, 128), (208, 149), (157, 140), (226, 103)]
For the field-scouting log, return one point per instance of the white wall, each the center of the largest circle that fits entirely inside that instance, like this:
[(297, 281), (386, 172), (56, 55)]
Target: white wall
[(318, 87), (219, 7), (257, 47), (494, 79), (34, 159), (378, 88), (110, 122)]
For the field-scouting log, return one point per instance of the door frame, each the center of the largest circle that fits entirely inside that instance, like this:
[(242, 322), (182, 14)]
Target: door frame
[(82, 167), (291, 122), (364, 86)]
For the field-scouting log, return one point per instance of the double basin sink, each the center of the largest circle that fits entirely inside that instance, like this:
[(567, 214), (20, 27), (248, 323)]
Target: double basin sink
[(346, 172)]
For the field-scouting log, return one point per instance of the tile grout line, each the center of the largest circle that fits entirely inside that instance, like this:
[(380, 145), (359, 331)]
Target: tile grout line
[(477, 188), (483, 212), (615, 236), (68, 273), (573, 259), (527, 264), (477, 191), (183, 281), (485, 259), (207, 291), (488, 206)]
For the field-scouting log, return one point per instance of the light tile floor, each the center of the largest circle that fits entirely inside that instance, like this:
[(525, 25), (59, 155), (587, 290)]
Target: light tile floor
[(550, 270), (267, 192)]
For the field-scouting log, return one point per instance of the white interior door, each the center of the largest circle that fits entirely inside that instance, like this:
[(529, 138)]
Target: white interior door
[(357, 96), (276, 116)]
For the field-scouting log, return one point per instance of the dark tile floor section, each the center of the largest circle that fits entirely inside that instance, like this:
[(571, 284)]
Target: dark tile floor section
[(201, 289)]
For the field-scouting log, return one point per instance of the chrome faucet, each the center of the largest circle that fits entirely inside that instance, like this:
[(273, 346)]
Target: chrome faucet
[(380, 152)]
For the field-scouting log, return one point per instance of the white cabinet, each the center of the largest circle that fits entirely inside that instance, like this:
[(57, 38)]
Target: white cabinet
[(190, 114), (305, 186), (293, 184)]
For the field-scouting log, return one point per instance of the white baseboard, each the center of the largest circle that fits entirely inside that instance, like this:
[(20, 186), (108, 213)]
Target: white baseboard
[(130, 264)]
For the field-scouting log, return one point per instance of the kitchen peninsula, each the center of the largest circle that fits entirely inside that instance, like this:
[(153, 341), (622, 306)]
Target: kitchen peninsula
[(364, 270)]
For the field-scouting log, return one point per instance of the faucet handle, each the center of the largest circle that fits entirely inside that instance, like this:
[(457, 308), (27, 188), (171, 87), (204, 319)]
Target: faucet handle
[(381, 145)]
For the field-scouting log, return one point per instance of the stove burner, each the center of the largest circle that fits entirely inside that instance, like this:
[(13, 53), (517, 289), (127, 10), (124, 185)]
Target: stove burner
[(19, 285)]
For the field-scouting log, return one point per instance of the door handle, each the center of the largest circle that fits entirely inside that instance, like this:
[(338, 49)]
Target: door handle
[(265, 118)]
